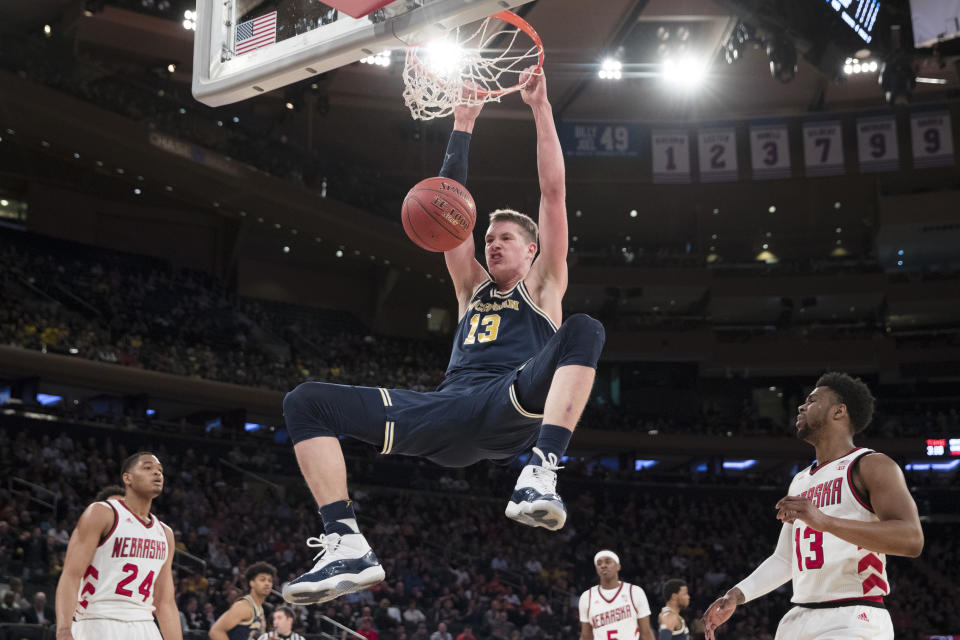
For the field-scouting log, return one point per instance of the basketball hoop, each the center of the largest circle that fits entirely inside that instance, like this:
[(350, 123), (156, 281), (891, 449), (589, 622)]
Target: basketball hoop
[(470, 66)]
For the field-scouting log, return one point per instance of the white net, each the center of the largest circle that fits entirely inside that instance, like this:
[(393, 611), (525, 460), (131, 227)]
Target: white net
[(470, 65)]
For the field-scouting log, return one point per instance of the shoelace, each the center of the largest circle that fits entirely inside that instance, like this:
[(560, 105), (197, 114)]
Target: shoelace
[(325, 543), (549, 461)]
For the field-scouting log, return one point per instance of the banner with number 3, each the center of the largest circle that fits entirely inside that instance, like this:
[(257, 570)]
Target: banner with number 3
[(769, 151), (932, 139), (671, 155)]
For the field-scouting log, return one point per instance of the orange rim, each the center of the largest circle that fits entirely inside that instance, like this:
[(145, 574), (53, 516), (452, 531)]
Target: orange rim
[(510, 18)]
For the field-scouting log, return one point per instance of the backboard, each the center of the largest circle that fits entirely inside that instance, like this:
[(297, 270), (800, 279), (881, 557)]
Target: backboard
[(241, 53)]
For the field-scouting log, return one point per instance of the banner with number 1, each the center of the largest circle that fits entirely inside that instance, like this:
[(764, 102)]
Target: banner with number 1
[(671, 155), (932, 139)]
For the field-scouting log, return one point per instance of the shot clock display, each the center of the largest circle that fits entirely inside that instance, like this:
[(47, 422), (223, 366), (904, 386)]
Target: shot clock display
[(937, 447)]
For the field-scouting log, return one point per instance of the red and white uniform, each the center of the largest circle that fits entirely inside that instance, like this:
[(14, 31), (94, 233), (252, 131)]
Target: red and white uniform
[(118, 585), (826, 568), (613, 613), (830, 572)]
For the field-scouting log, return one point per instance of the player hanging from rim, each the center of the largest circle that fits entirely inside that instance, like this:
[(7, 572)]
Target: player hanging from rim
[(517, 376), (677, 597), (244, 620), (117, 570), (841, 516), (613, 610)]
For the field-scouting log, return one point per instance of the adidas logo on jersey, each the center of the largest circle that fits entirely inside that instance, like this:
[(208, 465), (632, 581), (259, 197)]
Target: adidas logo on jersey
[(863, 616)]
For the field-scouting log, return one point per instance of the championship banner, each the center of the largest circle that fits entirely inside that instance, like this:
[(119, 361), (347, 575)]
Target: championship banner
[(932, 138), (718, 154), (877, 144), (671, 156), (591, 139), (769, 151), (823, 148)]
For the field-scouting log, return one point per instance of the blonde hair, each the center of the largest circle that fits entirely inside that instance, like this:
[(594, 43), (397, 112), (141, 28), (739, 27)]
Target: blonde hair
[(525, 222)]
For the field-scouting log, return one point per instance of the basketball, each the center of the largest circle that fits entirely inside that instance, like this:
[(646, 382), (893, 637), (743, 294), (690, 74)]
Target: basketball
[(438, 214)]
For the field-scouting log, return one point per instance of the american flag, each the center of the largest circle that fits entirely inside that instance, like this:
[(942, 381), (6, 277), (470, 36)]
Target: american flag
[(256, 33)]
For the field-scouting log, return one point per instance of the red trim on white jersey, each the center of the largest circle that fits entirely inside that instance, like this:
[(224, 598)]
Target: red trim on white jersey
[(139, 519), (817, 466), (853, 488), (116, 519), (614, 596)]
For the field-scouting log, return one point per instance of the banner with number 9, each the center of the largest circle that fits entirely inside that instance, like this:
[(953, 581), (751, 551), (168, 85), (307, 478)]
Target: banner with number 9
[(877, 144), (932, 138)]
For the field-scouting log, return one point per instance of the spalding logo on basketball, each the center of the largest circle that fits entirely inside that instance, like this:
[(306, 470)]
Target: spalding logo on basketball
[(438, 214)]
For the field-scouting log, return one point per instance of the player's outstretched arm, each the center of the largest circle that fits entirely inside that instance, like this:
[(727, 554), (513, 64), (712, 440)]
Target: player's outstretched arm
[(465, 272), (96, 520), (238, 612), (897, 533), (551, 266), (668, 622), (772, 572), (164, 599)]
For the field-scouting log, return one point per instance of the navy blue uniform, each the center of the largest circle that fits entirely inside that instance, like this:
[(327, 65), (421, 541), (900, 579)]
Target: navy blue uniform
[(489, 406), (252, 628)]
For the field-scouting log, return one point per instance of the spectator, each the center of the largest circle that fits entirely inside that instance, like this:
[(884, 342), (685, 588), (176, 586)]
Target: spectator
[(413, 616), (39, 613), (366, 629), (441, 633), (467, 633)]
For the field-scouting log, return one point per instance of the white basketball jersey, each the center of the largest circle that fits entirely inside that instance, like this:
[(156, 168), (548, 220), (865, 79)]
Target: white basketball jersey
[(613, 615), (119, 582), (826, 568)]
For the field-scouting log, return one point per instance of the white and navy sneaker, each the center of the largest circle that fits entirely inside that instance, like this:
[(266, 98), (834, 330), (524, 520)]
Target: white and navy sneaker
[(535, 502), (346, 564)]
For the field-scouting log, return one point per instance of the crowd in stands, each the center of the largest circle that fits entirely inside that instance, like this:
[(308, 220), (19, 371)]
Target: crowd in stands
[(142, 312), (455, 565), (138, 312)]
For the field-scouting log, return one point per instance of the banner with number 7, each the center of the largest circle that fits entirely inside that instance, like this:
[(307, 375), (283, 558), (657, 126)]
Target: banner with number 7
[(932, 138), (823, 148)]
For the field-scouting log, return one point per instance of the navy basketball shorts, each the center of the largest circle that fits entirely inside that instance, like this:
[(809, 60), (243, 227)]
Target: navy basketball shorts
[(471, 417)]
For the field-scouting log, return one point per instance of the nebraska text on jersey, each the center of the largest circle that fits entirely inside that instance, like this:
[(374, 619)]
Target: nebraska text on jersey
[(615, 615), (825, 567), (118, 584), (139, 548)]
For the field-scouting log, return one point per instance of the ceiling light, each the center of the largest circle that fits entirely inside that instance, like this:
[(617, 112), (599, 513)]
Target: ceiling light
[(687, 72), (47, 30), (633, 213), (171, 67), (611, 69), (783, 58), (772, 209)]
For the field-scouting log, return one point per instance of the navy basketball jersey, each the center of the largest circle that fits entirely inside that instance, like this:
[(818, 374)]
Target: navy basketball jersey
[(499, 332), (252, 628)]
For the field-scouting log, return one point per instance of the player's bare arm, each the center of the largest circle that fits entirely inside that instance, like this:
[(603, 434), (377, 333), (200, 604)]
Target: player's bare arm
[(94, 523), (772, 572), (643, 626), (238, 612), (464, 269), (164, 599), (547, 281), (586, 631), (880, 479)]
